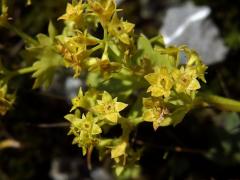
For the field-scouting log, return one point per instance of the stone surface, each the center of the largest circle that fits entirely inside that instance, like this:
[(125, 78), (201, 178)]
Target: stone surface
[(189, 24)]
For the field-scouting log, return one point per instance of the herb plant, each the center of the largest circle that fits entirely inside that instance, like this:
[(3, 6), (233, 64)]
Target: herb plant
[(128, 78)]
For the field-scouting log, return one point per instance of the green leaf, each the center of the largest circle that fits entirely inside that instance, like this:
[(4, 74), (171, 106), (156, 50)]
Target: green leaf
[(48, 60), (52, 30), (93, 79), (45, 68), (70, 117), (144, 44), (118, 87), (119, 150), (44, 40), (179, 114), (165, 122), (158, 41), (156, 58), (230, 121), (119, 170)]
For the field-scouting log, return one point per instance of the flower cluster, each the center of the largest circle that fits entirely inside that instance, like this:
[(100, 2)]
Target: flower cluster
[(122, 63), (100, 111), (84, 129), (127, 78), (173, 87), (79, 46)]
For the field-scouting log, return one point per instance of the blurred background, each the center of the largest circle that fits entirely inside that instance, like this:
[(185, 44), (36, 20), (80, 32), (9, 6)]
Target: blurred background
[(206, 145)]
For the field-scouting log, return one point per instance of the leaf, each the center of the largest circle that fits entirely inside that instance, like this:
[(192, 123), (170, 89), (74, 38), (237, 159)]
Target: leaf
[(118, 87), (48, 59), (44, 41), (144, 44), (158, 41), (119, 150), (52, 30), (70, 117), (45, 68), (156, 58), (119, 170), (165, 122), (232, 123), (179, 114), (93, 79)]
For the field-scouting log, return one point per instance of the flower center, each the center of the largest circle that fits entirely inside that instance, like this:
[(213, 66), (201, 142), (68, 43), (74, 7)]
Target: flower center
[(109, 107)]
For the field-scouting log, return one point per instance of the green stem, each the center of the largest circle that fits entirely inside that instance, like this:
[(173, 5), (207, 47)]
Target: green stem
[(95, 48), (105, 35), (137, 121), (89, 157), (95, 38), (105, 53), (24, 36), (22, 71), (10, 74), (155, 38), (218, 102), (25, 70), (127, 127)]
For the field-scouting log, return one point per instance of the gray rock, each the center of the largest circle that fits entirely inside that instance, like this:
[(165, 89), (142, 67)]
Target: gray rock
[(189, 24), (101, 174), (65, 169), (119, 1), (72, 86)]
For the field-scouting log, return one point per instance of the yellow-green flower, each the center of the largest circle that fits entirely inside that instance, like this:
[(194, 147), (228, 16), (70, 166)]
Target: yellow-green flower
[(120, 29), (103, 9), (74, 54), (161, 82), (85, 130), (186, 80), (109, 108), (85, 38), (104, 66), (155, 111), (74, 13), (195, 62), (75, 50), (84, 101), (6, 100)]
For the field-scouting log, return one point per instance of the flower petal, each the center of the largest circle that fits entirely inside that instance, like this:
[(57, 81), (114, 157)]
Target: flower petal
[(120, 106), (96, 129), (113, 117)]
